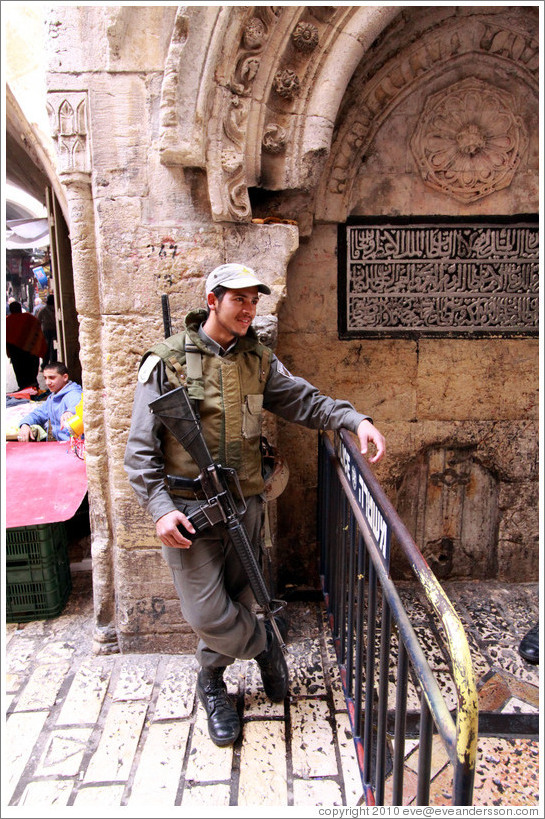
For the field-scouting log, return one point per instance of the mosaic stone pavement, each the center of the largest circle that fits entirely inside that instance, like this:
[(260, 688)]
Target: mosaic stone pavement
[(495, 617), (89, 732)]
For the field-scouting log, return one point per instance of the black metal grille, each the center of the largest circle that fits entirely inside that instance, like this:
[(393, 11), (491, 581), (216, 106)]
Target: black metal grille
[(377, 648)]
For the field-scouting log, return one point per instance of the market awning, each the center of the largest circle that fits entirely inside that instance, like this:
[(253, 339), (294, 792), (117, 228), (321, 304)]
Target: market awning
[(27, 233)]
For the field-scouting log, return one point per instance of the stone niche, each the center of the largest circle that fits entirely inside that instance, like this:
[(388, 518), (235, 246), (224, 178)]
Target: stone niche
[(449, 502), (470, 519)]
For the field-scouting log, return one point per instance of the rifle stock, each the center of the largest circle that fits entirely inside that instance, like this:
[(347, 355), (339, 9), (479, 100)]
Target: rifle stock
[(175, 411)]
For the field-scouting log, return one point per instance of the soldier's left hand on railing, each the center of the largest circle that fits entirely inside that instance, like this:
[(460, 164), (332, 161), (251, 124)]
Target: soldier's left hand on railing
[(367, 433)]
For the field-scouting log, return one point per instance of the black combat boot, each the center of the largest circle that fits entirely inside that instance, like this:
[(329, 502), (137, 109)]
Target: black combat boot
[(274, 671), (223, 721), (529, 645)]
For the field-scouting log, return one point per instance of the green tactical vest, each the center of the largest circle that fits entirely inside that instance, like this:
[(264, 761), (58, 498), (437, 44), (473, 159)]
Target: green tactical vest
[(230, 395)]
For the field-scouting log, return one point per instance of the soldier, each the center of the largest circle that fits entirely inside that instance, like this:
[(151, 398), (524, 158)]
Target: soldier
[(234, 377)]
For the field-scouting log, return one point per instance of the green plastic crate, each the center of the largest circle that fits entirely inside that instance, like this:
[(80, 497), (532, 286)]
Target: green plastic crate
[(38, 579), (34, 544)]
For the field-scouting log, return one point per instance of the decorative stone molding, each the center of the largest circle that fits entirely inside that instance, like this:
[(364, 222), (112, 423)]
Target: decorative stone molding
[(169, 89), (233, 203), (286, 83), (68, 119), (469, 140), (274, 139), (232, 158), (254, 34), (231, 161), (245, 74), (271, 75), (422, 60), (305, 37)]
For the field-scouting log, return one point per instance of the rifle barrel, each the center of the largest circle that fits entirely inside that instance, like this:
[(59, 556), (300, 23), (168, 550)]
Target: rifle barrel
[(167, 325)]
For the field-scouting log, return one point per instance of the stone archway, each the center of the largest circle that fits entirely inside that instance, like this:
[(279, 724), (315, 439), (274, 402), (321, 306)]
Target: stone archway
[(432, 53), (273, 79), (424, 391)]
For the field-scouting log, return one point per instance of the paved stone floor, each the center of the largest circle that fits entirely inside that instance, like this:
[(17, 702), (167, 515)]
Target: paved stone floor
[(495, 617), (99, 732)]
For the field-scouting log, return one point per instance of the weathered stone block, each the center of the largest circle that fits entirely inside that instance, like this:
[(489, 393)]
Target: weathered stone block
[(90, 38), (518, 538), (477, 379)]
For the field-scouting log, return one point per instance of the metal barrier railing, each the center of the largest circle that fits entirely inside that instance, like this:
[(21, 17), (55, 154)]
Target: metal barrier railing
[(356, 523)]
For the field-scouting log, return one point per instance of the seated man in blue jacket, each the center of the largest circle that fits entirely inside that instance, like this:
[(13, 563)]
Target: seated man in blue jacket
[(53, 414)]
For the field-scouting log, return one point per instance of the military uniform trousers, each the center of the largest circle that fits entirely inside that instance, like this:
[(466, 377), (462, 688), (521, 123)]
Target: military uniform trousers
[(216, 599)]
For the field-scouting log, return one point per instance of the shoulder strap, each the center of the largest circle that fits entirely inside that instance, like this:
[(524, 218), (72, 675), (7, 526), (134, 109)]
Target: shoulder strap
[(193, 362), (172, 354), (193, 359)]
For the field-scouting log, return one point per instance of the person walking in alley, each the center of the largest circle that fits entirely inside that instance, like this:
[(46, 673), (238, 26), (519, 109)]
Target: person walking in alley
[(49, 419), (237, 377), (25, 345), (46, 317)]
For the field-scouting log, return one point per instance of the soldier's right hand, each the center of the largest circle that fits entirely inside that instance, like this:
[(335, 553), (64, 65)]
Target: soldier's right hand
[(168, 532)]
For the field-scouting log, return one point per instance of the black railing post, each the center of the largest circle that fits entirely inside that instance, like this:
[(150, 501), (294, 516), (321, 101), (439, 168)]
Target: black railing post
[(351, 583), (369, 675), (400, 723), (360, 641), (382, 711), (424, 753)]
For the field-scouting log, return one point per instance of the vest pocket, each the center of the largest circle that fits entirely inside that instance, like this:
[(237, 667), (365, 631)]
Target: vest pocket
[(251, 417)]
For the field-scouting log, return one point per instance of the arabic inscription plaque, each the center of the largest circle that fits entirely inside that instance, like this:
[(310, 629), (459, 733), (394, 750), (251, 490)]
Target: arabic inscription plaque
[(433, 278)]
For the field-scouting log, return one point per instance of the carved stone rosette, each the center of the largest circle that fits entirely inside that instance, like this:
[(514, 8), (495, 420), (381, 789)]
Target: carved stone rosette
[(469, 140), (286, 83), (305, 37), (490, 42)]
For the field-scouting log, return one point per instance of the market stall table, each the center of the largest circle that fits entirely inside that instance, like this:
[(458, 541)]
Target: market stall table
[(46, 482), (19, 404)]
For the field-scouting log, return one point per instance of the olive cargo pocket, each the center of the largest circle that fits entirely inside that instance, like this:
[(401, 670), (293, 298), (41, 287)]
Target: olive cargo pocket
[(251, 417)]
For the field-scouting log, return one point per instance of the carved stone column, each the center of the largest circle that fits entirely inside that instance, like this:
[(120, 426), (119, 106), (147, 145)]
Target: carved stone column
[(80, 206), (68, 116)]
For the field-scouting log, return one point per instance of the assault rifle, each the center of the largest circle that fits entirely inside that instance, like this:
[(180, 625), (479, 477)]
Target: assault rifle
[(176, 412)]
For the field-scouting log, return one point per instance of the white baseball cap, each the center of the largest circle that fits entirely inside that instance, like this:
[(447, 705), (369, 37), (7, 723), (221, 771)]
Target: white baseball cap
[(234, 277)]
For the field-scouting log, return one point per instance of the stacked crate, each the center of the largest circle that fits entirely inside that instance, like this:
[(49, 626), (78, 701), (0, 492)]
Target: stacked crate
[(38, 580)]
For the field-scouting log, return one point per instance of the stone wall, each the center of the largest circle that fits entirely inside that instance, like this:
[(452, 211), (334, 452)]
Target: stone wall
[(479, 396)]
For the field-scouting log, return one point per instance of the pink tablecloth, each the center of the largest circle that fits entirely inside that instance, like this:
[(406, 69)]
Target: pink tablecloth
[(45, 483)]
